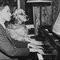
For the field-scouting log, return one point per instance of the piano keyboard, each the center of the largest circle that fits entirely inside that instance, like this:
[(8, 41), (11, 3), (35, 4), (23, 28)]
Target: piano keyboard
[(48, 50)]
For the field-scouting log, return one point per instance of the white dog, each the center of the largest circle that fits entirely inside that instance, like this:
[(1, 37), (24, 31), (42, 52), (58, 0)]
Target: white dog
[(19, 31)]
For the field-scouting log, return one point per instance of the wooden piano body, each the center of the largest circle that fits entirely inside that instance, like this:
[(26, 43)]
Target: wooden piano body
[(52, 41)]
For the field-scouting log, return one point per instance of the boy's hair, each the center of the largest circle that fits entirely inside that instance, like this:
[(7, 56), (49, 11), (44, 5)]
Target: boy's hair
[(10, 3), (4, 2)]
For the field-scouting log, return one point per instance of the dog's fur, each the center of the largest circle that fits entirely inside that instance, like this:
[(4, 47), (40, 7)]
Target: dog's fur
[(19, 31)]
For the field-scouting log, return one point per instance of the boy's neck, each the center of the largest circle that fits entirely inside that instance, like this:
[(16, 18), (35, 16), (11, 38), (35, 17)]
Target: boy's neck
[(2, 22)]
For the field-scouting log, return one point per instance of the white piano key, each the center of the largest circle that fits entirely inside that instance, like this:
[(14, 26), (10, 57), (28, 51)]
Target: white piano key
[(36, 42), (40, 51), (40, 57), (33, 41), (35, 46), (30, 26), (31, 35)]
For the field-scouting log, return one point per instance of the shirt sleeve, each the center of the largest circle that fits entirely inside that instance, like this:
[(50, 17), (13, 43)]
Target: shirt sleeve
[(7, 48)]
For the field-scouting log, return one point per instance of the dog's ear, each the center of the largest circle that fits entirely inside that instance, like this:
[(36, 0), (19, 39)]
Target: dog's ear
[(19, 11)]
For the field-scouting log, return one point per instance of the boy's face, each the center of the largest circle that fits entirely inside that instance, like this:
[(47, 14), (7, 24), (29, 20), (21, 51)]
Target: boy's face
[(6, 15)]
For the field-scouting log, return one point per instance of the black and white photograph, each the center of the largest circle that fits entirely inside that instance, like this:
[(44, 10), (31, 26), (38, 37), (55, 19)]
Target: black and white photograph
[(29, 29)]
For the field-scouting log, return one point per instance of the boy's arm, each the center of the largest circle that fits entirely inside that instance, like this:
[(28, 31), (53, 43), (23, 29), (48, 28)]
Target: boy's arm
[(9, 49)]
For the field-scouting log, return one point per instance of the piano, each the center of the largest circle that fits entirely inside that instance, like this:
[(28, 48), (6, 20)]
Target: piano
[(51, 43)]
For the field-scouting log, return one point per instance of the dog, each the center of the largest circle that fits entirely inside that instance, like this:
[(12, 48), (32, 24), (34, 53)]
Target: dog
[(19, 31)]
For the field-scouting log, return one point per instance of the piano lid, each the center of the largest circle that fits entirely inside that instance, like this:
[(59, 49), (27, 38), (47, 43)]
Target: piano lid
[(36, 1)]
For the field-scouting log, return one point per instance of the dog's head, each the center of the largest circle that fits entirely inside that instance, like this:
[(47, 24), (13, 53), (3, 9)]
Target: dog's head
[(20, 15)]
